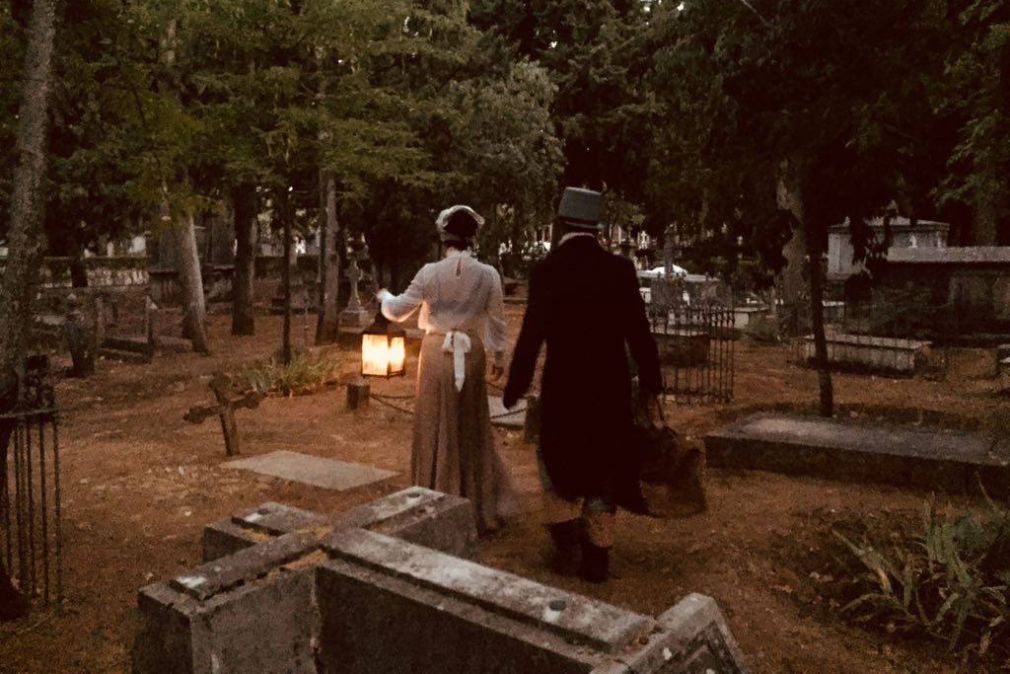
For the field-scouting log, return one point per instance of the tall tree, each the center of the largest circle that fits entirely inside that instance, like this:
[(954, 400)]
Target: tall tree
[(780, 122), (595, 53), (24, 236), (975, 90), (183, 222)]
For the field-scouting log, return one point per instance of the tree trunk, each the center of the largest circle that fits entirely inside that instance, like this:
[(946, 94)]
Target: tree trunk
[(985, 231), (790, 198), (286, 280), (184, 236), (191, 280), (24, 236), (329, 263), (815, 251), (78, 271), (244, 201)]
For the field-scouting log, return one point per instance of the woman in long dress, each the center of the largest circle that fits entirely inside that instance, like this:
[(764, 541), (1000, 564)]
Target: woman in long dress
[(463, 316)]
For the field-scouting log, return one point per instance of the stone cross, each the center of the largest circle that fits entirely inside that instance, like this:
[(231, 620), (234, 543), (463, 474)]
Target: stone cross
[(225, 407), (354, 274)]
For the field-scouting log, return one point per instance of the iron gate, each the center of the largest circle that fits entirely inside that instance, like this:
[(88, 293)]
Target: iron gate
[(696, 347)]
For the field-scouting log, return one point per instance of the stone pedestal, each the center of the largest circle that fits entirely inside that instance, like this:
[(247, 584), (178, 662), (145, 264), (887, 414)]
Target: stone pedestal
[(355, 318)]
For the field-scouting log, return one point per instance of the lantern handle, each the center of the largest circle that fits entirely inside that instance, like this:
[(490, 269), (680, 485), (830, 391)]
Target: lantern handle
[(380, 321)]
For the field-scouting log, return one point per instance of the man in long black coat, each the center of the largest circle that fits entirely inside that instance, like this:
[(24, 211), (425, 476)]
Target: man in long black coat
[(585, 304)]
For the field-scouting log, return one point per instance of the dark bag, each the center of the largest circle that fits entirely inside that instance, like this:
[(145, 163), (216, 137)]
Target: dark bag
[(659, 458)]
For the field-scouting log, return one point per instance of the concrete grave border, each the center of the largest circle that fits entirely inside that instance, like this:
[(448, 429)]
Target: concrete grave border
[(903, 456)]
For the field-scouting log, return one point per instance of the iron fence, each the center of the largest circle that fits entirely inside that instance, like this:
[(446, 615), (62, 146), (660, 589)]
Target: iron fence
[(31, 536), (696, 350)]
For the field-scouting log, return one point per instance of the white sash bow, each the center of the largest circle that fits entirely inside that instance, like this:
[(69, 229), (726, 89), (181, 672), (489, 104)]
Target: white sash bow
[(458, 344)]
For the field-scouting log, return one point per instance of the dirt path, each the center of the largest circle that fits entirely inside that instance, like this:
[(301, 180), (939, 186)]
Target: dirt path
[(140, 484)]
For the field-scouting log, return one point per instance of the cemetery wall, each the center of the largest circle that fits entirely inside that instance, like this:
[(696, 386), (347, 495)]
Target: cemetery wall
[(101, 272)]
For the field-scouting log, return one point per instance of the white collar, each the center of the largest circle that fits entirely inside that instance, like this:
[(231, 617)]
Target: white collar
[(452, 252), (571, 235)]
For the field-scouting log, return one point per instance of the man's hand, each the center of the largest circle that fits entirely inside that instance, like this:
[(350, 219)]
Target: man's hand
[(496, 372), (648, 408), (509, 399)]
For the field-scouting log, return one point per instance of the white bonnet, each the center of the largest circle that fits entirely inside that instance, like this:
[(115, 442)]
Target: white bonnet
[(443, 218)]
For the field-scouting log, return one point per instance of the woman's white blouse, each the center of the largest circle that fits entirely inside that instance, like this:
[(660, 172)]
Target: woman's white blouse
[(455, 293)]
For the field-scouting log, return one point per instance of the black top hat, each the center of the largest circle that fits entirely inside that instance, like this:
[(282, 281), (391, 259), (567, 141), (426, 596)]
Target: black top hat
[(581, 208)]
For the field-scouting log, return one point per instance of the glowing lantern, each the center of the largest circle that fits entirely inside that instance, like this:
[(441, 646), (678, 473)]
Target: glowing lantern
[(383, 349)]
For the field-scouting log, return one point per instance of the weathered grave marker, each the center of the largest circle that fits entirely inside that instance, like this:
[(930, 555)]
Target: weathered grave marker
[(382, 588), (354, 314), (227, 403), (879, 354)]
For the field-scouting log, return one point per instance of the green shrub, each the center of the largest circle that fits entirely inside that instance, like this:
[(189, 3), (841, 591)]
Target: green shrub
[(763, 329), (950, 581), (305, 373)]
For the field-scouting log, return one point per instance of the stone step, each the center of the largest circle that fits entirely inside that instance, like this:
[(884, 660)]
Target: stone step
[(841, 450)]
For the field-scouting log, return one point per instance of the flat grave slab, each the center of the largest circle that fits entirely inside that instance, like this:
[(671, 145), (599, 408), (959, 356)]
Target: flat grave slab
[(949, 460), (502, 417), (314, 470)]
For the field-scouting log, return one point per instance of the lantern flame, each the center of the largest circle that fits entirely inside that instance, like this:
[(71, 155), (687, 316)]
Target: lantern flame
[(375, 355), (397, 357)]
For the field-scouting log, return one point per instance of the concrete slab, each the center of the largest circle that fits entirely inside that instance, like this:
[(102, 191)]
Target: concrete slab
[(500, 416), (576, 619), (919, 457), (314, 470), (422, 516)]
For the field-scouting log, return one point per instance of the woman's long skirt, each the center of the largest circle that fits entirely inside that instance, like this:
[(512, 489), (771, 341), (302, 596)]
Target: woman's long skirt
[(454, 446)]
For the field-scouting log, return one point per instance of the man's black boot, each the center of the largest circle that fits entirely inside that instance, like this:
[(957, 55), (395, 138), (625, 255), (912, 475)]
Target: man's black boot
[(595, 563), (566, 537)]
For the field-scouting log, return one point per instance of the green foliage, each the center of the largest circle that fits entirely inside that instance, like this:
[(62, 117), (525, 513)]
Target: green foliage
[(974, 93), (951, 581), (304, 374), (764, 329), (780, 99)]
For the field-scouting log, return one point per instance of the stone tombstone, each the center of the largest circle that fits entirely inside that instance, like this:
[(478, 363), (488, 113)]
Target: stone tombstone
[(220, 249), (354, 314), (390, 587)]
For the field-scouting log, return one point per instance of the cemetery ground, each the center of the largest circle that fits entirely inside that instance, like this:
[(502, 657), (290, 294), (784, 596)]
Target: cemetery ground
[(140, 483)]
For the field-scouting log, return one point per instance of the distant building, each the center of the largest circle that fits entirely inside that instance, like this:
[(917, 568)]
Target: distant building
[(904, 234)]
